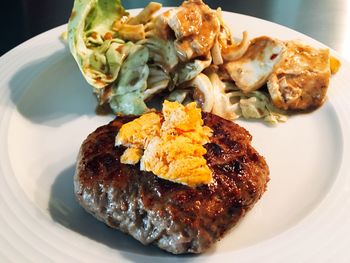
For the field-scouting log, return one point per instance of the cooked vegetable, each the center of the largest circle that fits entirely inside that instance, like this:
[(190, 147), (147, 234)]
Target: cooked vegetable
[(157, 81), (224, 106), (178, 95), (236, 51), (192, 69), (162, 52), (185, 54), (132, 83), (146, 14), (301, 79), (99, 60), (233, 104), (257, 105), (251, 71), (203, 92), (132, 32)]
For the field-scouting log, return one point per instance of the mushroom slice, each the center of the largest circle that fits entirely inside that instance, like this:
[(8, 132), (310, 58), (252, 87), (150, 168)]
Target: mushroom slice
[(251, 71), (202, 92)]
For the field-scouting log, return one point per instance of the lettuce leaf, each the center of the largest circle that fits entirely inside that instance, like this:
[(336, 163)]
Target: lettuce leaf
[(127, 93), (99, 60), (190, 70), (129, 103), (162, 52), (106, 61), (134, 72), (256, 105)]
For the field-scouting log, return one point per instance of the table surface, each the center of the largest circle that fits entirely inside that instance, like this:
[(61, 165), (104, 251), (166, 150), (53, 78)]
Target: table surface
[(324, 20)]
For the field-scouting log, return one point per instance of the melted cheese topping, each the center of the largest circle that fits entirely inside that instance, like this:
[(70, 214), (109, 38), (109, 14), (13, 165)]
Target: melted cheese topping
[(131, 156), (138, 132), (170, 146)]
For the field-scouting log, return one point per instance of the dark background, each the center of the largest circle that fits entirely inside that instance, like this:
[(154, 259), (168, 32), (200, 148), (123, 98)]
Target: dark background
[(325, 20)]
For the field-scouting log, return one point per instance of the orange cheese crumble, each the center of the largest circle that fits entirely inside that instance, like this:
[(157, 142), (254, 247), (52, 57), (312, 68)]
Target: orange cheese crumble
[(170, 144)]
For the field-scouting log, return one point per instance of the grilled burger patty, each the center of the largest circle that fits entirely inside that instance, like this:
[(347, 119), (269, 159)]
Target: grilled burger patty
[(175, 217)]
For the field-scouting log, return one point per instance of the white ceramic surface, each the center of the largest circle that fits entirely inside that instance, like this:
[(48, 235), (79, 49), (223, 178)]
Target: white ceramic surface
[(47, 109)]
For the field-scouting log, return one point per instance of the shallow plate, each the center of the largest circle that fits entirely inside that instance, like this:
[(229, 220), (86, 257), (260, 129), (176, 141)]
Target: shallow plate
[(47, 109)]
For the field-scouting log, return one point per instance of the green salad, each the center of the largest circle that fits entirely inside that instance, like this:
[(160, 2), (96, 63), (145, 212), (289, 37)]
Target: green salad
[(179, 54)]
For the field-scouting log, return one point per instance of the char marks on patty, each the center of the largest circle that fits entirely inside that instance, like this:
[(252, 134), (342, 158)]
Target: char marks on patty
[(177, 218)]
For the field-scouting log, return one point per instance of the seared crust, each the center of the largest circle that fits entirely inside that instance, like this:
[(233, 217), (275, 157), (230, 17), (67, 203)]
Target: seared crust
[(175, 217)]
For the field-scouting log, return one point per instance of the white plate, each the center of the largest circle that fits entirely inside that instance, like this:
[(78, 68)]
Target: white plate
[(47, 109)]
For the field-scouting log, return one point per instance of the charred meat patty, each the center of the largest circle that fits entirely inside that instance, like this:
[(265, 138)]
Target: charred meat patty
[(175, 217)]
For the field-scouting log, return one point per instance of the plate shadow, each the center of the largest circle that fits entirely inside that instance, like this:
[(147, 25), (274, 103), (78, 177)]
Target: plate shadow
[(52, 91)]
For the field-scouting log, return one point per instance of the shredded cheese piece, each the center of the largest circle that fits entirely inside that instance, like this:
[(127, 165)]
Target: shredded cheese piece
[(170, 146)]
